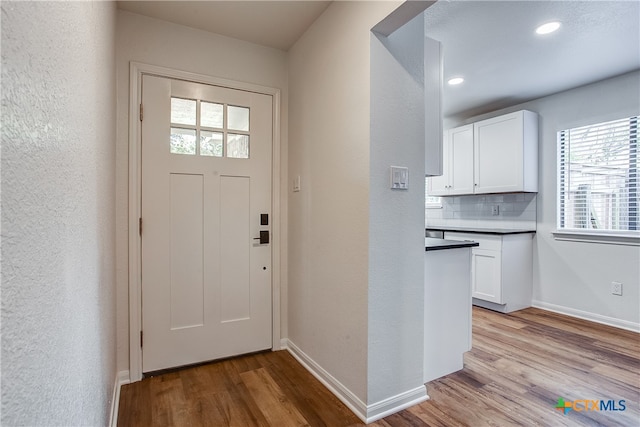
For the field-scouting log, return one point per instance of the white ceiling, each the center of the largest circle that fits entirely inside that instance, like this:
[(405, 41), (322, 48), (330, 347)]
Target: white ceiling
[(494, 46), (491, 43), (277, 24)]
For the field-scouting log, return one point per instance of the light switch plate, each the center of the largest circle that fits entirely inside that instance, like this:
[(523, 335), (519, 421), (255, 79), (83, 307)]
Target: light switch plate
[(296, 184), (399, 178)]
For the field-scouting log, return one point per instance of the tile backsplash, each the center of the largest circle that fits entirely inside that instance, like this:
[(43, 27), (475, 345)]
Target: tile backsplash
[(517, 210)]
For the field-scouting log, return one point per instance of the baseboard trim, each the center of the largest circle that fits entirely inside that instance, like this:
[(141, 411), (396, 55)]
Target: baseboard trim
[(366, 413), (585, 315), (396, 403), (345, 395), (122, 378)]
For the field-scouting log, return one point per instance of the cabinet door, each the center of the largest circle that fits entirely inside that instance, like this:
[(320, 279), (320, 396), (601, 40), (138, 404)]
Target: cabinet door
[(499, 154), (461, 160), (439, 185), (486, 277)]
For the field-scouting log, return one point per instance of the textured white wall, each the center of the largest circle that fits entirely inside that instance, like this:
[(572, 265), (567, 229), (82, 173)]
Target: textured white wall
[(574, 276), (58, 162), (156, 42), (396, 218), (329, 88)]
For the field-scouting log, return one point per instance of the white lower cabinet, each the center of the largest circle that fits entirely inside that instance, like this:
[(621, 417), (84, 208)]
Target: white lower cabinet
[(486, 282), (501, 269)]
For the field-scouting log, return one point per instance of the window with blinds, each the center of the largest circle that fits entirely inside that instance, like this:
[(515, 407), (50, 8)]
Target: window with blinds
[(598, 177)]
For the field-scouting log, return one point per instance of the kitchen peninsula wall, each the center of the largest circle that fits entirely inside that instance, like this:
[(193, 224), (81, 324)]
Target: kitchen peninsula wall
[(515, 211)]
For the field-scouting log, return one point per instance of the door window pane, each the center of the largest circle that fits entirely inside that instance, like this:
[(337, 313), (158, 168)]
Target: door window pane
[(183, 141), (183, 111), (211, 143), (211, 114), (238, 146), (238, 118)]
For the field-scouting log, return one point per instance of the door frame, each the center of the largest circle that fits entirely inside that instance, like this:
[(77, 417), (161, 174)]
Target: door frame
[(136, 70)]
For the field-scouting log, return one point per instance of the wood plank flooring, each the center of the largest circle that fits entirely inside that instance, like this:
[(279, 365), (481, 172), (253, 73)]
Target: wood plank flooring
[(519, 366)]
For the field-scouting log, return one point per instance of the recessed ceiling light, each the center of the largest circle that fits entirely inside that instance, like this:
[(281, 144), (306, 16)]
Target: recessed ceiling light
[(547, 28), (455, 81)]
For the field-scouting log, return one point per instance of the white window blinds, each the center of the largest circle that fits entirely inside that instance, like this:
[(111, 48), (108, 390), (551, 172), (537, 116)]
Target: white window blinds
[(598, 177)]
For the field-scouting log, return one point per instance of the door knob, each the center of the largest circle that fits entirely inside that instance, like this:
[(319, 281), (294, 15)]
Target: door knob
[(264, 237)]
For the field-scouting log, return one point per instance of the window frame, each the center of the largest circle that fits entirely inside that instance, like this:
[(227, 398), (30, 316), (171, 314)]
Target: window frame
[(226, 129), (625, 237)]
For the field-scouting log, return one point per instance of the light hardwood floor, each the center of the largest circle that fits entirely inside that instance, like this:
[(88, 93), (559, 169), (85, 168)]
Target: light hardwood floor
[(519, 366)]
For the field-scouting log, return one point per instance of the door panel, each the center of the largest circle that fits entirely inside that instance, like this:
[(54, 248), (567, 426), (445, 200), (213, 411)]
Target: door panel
[(187, 232), (235, 269), (206, 178)]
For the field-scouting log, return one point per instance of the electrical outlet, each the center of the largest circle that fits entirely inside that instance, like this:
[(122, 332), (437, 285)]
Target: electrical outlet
[(495, 210), (616, 288)]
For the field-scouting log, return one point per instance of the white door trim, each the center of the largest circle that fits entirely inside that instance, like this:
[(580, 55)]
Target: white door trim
[(136, 71)]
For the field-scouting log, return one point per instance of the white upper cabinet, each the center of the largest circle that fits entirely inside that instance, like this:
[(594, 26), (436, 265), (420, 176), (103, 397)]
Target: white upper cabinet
[(461, 160), (497, 155), (506, 153), (439, 185), (457, 155)]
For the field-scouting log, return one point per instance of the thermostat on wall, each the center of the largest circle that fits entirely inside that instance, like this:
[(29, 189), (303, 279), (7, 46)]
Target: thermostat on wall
[(399, 178)]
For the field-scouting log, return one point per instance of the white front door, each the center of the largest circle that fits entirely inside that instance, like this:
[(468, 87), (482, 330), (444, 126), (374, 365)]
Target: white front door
[(206, 197)]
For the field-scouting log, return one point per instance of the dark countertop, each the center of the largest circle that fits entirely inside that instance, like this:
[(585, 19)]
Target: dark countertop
[(433, 244), (480, 230)]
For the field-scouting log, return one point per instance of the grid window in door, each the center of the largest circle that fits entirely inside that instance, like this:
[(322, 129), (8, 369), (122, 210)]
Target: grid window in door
[(210, 129), (183, 141), (211, 143)]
